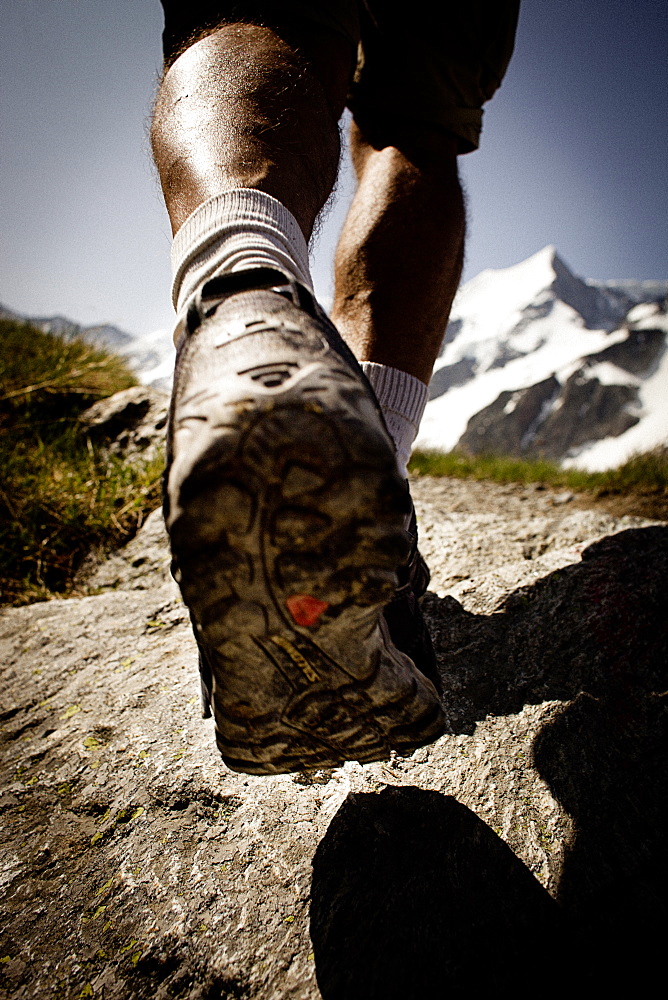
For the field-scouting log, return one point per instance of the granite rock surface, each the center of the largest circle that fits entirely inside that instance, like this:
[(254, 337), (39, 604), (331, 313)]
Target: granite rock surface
[(523, 852)]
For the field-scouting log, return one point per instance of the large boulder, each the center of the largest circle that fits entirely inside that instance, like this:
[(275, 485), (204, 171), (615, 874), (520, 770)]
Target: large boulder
[(130, 423)]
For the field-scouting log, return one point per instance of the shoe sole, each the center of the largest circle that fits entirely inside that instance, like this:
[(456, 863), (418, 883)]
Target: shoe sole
[(286, 536)]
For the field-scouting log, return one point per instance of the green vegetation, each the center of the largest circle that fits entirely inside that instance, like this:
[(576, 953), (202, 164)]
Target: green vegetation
[(646, 473), (61, 496)]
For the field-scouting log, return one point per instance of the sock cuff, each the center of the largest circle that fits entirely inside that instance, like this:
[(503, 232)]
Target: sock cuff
[(228, 219), (397, 391)]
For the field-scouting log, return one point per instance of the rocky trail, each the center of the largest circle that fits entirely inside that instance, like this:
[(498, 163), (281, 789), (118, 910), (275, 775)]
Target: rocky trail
[(522, 853)]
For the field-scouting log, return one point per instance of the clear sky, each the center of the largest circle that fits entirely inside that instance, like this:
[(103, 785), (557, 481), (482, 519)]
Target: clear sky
[(574, 153)]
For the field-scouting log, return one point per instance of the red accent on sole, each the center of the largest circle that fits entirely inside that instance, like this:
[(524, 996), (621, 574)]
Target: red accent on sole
[(304, 609)]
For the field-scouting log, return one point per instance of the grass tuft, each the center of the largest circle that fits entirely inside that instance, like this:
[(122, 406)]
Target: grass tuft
[(61, 495), (646, 473), (38, 368)]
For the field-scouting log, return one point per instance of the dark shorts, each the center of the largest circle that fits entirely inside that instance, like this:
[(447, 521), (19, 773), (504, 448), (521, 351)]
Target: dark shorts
[(431, 69)]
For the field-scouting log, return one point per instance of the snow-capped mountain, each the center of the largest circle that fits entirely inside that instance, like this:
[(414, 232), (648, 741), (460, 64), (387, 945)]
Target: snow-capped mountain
[(536, 361)]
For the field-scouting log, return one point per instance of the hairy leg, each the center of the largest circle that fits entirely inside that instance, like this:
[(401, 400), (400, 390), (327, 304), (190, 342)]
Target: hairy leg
[(400, 254), (250, 106)]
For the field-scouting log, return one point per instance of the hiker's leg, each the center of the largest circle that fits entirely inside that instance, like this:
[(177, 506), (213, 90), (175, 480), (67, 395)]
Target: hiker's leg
[(249, 106), (400, 254), (417, 103)]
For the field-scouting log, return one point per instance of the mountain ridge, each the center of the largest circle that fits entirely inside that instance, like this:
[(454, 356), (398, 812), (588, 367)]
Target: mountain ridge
[(537, 362)]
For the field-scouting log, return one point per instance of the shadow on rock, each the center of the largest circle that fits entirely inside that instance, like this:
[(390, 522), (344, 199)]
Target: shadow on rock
[(598, 626), (594, 635), (414, 896), (606, 760)]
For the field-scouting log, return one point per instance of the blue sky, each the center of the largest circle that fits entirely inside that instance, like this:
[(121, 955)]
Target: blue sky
[(574, 153)]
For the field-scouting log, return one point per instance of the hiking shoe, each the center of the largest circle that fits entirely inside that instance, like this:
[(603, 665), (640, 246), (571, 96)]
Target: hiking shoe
[(403, 615), (286, 518)]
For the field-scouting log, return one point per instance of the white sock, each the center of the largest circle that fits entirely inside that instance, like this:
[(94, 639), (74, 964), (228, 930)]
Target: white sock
[(402, 399), (235, 231), (246, 228)]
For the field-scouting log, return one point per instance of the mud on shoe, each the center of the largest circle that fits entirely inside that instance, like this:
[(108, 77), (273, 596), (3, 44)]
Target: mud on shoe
[(286, 518)]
